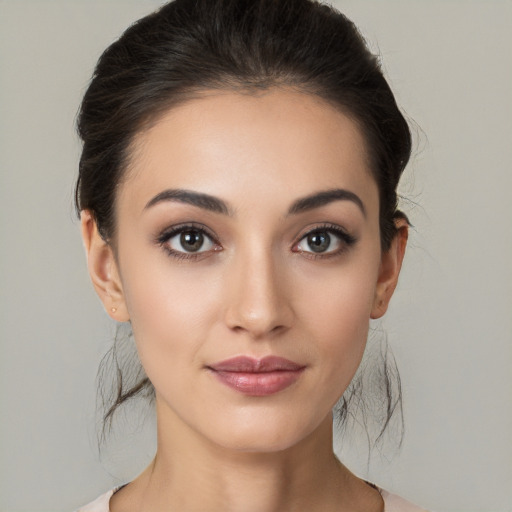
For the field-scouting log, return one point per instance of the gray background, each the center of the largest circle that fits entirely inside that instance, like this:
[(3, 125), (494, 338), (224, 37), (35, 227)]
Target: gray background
[(450, 63)]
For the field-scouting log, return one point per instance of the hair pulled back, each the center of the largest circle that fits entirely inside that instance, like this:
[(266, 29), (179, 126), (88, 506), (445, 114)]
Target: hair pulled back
[(189, 46)]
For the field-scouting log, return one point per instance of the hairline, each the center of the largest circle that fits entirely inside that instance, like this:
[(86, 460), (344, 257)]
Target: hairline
[(135, 141)]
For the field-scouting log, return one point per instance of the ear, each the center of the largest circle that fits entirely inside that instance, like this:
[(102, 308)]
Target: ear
[(390, 265), (103, 269)]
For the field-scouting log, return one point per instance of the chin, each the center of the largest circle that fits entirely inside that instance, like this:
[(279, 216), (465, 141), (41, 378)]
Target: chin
[(263, 435)]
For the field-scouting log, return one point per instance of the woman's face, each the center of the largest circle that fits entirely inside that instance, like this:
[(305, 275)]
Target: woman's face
[(248, 228)]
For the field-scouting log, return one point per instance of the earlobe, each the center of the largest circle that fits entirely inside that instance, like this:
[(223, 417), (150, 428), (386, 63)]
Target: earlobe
[(390, 266), (103, 270)]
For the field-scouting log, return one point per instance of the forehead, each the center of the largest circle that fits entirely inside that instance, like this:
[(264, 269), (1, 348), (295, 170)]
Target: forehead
[(249, 148)]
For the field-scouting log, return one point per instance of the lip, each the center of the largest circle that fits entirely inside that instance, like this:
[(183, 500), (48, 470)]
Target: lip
[(257, 377)]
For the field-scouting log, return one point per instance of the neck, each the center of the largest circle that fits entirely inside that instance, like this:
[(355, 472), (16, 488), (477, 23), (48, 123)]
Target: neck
[(190, 471)]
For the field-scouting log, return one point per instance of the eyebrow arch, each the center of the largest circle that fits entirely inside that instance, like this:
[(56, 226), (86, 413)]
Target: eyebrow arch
[(325, 197), (205, 201), (216, 205)]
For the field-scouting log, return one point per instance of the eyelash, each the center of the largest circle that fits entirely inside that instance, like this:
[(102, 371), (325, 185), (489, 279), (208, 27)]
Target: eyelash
[(164, 238), (347, 240)]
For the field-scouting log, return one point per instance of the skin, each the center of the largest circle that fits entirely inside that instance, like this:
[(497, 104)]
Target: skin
[(256, 289)]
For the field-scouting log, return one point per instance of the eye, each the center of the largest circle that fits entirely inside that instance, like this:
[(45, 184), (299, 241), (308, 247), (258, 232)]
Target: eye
[(191, 240), (187, 242), (325, 241), (319, 242)]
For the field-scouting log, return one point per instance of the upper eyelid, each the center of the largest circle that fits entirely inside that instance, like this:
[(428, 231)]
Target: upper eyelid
[(327, 226), (174, 230)]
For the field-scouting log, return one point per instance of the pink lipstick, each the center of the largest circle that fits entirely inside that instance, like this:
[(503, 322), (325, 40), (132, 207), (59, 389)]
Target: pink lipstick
[(257, 377)]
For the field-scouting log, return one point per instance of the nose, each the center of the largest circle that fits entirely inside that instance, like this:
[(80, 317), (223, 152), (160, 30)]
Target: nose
[(258, 302)]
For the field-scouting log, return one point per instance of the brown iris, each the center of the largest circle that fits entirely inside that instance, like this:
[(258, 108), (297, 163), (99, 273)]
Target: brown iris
[(191, 240)]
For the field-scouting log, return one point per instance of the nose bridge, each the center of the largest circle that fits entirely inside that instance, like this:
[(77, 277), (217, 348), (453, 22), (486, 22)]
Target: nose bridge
[(257, 302)]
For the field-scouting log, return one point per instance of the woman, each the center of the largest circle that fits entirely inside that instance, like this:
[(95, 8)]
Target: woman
[(237, 192)]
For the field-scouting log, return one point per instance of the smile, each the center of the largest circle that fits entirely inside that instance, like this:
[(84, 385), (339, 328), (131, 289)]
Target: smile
[(257, 377)]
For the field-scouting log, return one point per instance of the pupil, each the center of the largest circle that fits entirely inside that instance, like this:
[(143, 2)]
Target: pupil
[(319, 242), (191, 240)]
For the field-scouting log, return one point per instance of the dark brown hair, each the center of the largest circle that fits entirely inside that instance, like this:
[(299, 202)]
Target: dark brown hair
[(189, 46)]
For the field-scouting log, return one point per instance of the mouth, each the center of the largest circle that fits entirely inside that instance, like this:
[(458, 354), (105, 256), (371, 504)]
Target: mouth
[(257, 377)]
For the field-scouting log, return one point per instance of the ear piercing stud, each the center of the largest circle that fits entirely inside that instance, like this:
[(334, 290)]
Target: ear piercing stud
[(113, 309)]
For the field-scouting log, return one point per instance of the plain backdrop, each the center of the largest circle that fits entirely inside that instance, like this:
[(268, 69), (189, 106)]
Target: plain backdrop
[(450, 325)]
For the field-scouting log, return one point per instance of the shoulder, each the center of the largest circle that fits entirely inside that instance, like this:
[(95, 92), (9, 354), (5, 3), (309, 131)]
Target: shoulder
[(394, 503), (100, 504)]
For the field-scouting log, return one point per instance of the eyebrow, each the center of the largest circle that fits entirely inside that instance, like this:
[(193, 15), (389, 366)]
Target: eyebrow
[(216, 205), (205, 201), (325, 197)]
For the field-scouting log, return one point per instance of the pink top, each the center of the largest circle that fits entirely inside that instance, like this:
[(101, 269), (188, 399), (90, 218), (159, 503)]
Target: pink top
[(392, 503)]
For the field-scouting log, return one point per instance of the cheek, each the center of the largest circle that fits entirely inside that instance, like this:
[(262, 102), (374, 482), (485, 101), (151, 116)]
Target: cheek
[(337, 313), (170, 312)]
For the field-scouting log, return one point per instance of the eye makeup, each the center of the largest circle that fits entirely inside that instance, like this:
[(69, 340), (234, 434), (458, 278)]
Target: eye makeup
[(322, 234), (189, 233), (198, 242)]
